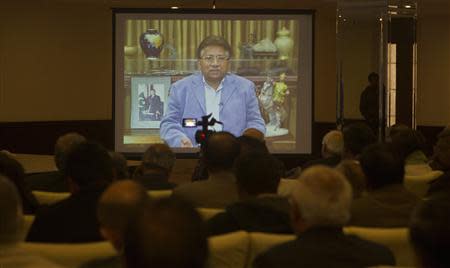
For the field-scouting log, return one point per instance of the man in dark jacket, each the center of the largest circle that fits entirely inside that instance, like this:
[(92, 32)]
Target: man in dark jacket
[(88, 171), (320, 207), (259, 208)]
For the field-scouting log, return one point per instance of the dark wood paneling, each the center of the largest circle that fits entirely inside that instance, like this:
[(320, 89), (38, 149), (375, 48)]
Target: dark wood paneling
[(40, 137)]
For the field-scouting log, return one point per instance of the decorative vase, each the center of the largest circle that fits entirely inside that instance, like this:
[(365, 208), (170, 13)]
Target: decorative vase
[(151, 43), (284, 44)]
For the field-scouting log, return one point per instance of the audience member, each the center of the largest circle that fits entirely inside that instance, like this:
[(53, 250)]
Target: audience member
[(220, 189), (88, 170), (54, 181), (387, 203), (320, 208), (394, 129), (12, 233), (357, 136), (259, 208), (120, 166), (156, 167), (332, 149), (170, 233), (13, 170), (430, 231), (409, 145), (119, 205), (355, 176), (441, 161)]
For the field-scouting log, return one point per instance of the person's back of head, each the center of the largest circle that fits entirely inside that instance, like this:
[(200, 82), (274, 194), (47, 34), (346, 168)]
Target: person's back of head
[(332, 144), (406, 141), (354, 174), (170, 233), (441, 154), (257, 173), (357, 136), (120, 166), (220, 151), (381, 166), (322, 197), (119, 204), (249, 144), (63, 146), (87, 164), (13, 170), (11, 218), (157, 157), (430, 231), (394, 129)]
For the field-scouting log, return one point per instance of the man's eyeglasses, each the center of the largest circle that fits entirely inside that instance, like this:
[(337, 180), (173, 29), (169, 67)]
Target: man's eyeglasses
[(211, 58)]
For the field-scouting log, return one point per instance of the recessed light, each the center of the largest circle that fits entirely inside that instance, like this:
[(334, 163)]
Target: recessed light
[(174, 7), (408, 6)]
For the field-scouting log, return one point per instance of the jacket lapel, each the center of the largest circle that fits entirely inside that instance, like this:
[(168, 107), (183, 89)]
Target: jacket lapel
[(228, 89), (199, 91)]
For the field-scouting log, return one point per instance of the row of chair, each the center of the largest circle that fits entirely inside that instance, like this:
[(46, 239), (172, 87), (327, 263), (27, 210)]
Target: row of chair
[(237, 249)]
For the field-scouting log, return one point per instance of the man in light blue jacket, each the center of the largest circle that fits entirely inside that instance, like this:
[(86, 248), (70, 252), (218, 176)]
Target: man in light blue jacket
[(230, 99)]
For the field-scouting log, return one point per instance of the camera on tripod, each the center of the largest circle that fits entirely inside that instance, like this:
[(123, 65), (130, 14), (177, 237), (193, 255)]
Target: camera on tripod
[(201, 135)]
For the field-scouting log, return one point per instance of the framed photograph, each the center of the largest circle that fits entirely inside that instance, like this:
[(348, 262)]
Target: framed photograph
[(149, 95)]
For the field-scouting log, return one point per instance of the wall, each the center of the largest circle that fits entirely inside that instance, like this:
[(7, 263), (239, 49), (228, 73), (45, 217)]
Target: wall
[(56, 58), (433, 31)]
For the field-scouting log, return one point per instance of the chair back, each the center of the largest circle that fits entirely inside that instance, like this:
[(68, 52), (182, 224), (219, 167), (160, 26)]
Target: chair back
[(208, 213), (70, 255), (27, 222), (396, 239), (48, 198), (158, 194), (229, 250), (419, 184)]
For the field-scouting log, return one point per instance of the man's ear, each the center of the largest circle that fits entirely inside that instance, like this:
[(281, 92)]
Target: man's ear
[(73, 186)]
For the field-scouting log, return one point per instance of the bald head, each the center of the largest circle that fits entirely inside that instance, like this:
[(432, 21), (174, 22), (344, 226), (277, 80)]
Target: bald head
[(332, 143)]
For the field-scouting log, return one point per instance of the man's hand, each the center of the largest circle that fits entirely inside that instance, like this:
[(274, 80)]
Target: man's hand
[(186, 143)]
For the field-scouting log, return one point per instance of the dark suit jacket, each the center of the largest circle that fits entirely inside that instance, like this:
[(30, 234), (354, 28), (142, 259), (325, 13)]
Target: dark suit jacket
[(326, 247), (218, 191), (73, 219), (390, 206), (268, 213), (155, 181), (328, 161)]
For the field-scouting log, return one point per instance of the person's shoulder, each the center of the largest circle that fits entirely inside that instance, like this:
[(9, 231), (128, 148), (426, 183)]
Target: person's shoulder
[(193, 78), (373, 249), (234, 78)]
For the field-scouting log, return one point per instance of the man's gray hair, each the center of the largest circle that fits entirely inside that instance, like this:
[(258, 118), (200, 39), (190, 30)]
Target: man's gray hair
[(323, 196), (11, 217), (159, 155), (63, 145), (334, 142)]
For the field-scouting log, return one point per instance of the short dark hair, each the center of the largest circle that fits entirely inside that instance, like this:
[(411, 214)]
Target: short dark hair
[(372, 75), (219, 151), (214, 41), (159, 156), (257, 173), (89, 163), (169, 233), (406, 141), (356, 137), (430, 231), (381, 166), (249, 144)]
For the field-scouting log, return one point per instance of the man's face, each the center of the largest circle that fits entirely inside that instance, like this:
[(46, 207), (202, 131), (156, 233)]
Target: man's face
[(213, 63)]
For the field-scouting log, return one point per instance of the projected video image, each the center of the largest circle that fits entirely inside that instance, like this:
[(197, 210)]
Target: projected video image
[(258, 78)]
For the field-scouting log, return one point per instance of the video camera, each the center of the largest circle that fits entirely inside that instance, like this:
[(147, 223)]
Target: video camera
[(201, 135)]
